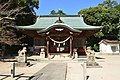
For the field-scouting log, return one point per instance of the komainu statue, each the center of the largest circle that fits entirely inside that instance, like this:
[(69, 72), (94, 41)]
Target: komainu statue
[(22, 55)]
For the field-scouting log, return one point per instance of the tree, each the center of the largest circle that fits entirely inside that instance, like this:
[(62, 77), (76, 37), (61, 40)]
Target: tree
[(110, 3), (118, 28), (52, 12), (102, 16), (29, 4), (14, 12), (117, 7), (59, 12)]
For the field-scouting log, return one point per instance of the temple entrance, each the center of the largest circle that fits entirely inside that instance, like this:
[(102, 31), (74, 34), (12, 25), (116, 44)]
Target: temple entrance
[(59, 41), (59, 45)]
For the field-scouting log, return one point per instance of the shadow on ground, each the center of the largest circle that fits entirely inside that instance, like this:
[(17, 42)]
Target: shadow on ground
[(99, 58), (17, 77)]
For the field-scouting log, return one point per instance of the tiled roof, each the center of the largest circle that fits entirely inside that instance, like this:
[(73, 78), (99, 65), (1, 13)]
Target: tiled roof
[(105, 41), (74, 21)]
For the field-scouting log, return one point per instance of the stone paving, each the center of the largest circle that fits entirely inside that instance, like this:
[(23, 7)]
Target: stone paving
[(52, 71), (110, 69)]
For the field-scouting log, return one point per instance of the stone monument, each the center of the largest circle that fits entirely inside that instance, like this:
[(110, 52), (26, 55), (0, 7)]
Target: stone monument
[(22, 55), (75, 54), (22, 59), (90, 57)]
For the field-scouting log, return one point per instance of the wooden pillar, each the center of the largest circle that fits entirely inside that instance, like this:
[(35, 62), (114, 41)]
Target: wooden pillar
[(70, 47)]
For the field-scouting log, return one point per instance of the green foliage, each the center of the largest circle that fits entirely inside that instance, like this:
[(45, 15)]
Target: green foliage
[(110, 3), (118, 35), (20, 12), (28, 4), (21, 3), (117, 7), (52, 12), (59, 12), (99, 34), (26, 17), (95, 47), (102, 15), (33, 3)]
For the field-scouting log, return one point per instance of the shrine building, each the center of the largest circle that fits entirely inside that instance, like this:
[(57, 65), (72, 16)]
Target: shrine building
[(59, 34)]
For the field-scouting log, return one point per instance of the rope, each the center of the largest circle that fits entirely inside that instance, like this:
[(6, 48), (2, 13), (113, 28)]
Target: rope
[(60, 41)]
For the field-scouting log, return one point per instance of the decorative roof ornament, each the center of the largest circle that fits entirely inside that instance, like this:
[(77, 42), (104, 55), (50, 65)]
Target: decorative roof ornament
[(59, 20)]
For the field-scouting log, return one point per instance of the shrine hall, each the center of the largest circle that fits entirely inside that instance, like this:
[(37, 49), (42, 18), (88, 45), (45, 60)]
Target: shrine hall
[(59, 34)]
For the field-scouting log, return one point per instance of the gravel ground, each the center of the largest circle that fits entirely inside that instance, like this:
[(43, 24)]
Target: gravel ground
[(109, 70)]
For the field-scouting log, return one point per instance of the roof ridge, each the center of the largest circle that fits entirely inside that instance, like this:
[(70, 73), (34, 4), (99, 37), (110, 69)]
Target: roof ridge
[(59, 15)]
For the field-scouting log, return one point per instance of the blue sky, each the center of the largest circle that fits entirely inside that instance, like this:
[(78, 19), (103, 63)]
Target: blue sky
[(68, 6)]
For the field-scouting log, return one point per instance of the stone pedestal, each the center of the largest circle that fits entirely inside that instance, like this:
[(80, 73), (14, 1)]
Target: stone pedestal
[(22, 59), (21, 64), (42, 53)]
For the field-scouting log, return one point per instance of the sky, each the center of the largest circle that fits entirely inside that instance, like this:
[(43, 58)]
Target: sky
[(70, 7)]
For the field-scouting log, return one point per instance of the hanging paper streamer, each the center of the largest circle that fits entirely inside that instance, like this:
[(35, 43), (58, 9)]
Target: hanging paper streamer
[(58, 45), (64, 43), (54, 43)]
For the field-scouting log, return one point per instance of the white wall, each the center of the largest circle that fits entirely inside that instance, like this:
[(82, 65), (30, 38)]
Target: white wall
[(102, 48), (109, 49)]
